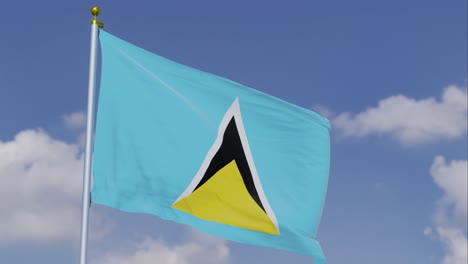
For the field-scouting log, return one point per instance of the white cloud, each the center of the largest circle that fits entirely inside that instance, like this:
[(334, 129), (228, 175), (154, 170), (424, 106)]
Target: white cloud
[(450, 217), (323, 110), (75, 120), (40, 190), (200, 249), (453, 180), (456, 245), (428, 231), (409, 120)]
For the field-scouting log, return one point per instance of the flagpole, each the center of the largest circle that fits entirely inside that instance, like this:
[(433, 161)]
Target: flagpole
[(95, 25)]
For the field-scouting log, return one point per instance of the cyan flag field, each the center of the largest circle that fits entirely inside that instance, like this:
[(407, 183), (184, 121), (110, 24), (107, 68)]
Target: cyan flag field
[(157, 123)]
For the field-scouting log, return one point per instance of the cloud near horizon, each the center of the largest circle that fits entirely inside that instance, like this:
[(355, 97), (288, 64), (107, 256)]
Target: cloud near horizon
[(41, 182), (198, 249), (450, 216), (41, 188)]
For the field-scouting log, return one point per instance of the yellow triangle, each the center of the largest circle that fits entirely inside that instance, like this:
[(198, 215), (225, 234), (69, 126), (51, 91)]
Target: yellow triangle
[(225, 199)]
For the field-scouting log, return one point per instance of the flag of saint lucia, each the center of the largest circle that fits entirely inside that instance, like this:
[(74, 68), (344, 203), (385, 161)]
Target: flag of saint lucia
[(201, 150)]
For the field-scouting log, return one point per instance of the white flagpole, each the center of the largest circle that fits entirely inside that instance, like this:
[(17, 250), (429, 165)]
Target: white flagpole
[(95, 24)]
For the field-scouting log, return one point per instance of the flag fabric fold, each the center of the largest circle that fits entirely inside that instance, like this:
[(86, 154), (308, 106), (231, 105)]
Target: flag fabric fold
[(204, 151)]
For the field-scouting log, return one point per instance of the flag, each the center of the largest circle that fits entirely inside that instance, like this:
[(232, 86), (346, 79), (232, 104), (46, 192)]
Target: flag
[(204, 151)]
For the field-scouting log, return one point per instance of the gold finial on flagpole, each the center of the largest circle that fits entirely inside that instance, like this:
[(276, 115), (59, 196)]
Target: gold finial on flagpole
[(95, 12)]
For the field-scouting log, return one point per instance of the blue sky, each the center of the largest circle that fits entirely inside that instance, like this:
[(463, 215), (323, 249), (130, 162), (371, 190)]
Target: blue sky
[(391, 77)]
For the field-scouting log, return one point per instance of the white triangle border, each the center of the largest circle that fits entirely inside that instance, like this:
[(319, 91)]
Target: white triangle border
[(233, 111)]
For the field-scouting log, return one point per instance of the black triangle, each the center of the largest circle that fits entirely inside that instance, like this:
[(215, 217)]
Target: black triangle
[(231, 149)]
